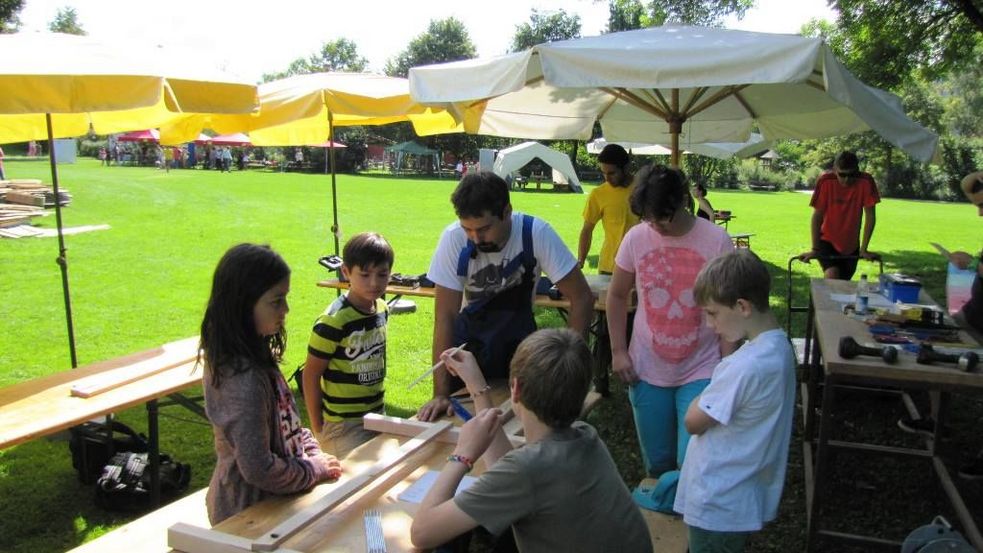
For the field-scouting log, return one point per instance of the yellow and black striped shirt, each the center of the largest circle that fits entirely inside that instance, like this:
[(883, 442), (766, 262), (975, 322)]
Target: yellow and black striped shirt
[(354, 344)]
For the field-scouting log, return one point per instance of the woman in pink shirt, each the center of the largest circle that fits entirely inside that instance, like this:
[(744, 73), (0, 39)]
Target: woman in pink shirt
[(672, 352)]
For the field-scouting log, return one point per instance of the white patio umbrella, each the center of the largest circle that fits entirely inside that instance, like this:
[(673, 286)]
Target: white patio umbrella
[(54, 85), (667, 85)]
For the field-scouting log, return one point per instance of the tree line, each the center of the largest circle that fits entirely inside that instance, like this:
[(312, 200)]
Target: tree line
[(928, 52)]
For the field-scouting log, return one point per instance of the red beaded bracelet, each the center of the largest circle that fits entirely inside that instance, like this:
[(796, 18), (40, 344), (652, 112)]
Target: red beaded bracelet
[(461, 459)]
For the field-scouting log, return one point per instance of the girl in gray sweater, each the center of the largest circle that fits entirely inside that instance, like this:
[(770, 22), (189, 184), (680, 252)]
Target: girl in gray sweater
[(261, 448)]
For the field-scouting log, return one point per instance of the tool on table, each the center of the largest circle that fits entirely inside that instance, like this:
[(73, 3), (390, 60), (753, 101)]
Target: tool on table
[(460, 410), (330, 262), (966, 361), (849, 348), (436, 366), (375, 541)]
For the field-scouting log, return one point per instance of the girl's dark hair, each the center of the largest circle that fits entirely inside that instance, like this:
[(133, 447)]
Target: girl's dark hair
[(229, 341), (659, 192)]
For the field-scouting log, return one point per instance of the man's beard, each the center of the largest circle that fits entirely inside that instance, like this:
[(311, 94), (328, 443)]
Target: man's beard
[(488, 247)]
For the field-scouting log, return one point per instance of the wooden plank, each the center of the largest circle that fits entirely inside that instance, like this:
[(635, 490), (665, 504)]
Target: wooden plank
[(172, 355), (190, 538), (301, 520), (409, 427), (24, 198)]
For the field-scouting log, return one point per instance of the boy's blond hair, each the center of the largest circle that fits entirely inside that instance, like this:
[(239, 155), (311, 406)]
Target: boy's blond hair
[(739, 274), (552, 368)]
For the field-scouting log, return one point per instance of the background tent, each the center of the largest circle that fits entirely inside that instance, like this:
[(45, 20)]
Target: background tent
[(150, 135), (403, 149), (515, 157)]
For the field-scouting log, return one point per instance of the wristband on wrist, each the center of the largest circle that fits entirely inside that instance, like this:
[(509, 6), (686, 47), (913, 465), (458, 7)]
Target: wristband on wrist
[(455, 458), (481, 392)]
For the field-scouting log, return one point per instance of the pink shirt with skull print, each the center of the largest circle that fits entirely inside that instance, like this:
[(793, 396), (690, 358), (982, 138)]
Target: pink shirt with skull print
[(671, 344)]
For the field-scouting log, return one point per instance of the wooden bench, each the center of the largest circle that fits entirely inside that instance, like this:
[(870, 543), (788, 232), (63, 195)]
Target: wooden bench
[(760, 186), (591, 176), (149, 532), (742, 240)]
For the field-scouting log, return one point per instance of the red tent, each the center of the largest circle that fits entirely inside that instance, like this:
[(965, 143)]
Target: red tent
[(237, 139), (138, 136), (328, 144)]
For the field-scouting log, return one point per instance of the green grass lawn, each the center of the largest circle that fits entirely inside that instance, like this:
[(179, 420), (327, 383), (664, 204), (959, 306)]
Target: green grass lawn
[(145, 281)]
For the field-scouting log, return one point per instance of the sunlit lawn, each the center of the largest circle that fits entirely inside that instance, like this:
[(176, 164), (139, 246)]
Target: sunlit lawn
[(145, 282)]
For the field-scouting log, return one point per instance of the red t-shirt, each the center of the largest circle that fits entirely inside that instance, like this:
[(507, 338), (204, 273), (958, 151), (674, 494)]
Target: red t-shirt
[(842, 207)]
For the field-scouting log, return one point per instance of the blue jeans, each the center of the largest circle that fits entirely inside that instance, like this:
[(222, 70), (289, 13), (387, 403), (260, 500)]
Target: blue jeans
[(659, 414), (708, 541)]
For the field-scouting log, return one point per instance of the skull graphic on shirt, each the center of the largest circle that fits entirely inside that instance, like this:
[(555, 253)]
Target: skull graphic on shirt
[(666, 277)]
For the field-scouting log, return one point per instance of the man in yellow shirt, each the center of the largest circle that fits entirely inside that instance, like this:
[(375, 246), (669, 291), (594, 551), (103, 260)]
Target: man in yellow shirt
[(608, 204)]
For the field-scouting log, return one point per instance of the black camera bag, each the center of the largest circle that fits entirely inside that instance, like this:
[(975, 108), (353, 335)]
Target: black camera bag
[(93, 444)]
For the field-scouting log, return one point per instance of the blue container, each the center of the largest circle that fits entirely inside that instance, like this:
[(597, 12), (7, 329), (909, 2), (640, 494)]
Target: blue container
[(897, 287)]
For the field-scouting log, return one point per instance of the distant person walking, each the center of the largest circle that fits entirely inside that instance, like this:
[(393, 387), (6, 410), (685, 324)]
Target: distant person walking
[(227, 159), (3, 176)]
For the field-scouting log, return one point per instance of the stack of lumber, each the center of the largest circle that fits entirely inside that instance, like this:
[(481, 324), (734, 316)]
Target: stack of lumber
[(32, 193), (12, 214)]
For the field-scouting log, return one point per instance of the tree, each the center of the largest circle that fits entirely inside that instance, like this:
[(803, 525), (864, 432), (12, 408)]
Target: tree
[(9, 23), (708, 13), (625, 15), (895, 39), (543, 27), (445, 40), (66, 21), (337, 55)]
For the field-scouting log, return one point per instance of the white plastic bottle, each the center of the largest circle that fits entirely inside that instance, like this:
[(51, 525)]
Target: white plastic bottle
[(860, 305)]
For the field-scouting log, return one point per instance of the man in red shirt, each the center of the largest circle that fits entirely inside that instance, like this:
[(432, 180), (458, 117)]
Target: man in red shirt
[(840, 198)]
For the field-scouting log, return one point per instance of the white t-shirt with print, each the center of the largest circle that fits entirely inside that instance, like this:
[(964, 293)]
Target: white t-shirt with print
[(734, 472), (671, 344), (484, 274)]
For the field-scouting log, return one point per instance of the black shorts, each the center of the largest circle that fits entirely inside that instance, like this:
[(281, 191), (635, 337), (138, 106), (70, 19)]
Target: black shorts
[(847, 262)]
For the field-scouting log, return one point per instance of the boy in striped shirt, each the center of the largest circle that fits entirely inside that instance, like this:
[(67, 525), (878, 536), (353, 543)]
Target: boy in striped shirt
[(346, 354)]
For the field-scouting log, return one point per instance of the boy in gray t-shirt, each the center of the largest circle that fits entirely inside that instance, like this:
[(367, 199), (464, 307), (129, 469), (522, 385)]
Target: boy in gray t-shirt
[(561, 492)]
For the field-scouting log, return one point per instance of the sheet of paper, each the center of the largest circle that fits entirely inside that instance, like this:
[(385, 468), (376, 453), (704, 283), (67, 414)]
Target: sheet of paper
[(873, 300), (418, 490)]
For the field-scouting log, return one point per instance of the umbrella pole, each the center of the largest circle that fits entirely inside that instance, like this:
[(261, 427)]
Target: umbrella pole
[(675, 127), (62, 259), (334, 188)]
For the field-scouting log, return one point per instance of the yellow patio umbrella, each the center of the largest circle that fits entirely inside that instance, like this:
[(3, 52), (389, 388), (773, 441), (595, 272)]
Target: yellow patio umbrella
[(305, 109), (55, 85)]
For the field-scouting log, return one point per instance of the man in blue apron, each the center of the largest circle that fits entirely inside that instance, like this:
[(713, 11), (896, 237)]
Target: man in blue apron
[(484, 273)]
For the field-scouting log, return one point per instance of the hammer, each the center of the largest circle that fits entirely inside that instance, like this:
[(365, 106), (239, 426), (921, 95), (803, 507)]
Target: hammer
[(849, 348), (966, 362)]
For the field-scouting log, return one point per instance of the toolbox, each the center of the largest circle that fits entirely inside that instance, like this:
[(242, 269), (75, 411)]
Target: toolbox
[(897, 287)]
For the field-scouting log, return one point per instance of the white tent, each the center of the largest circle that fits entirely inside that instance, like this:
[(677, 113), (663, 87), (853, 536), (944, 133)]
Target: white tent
[(515, 157), (719, 150)]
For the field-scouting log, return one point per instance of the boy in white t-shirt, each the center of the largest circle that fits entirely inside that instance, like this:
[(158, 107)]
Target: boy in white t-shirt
[(732, 479)]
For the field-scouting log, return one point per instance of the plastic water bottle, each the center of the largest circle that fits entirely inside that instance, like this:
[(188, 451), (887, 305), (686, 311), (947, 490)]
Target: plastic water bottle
[(860, 305)]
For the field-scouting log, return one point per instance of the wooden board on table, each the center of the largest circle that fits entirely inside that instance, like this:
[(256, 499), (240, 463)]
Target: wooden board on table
[(169, 356), (45, 405)]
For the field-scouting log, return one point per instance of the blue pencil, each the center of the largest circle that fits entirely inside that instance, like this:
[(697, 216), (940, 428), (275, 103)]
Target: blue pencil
[(460, 410)]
